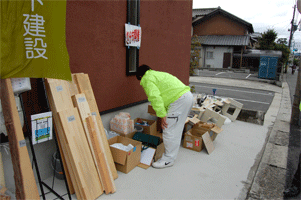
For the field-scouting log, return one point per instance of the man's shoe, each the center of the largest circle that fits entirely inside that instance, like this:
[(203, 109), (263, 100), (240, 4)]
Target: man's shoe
[(291, 192), (162, 164)]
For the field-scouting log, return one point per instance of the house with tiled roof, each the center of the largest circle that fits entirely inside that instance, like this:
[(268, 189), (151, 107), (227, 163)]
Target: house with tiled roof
[(221, 35)]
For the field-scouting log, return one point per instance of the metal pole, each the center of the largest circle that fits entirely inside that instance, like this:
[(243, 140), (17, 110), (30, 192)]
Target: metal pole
[(297, 99), (291, 35)]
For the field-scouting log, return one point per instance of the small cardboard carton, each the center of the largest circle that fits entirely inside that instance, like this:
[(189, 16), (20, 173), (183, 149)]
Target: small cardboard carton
[(193, 138), (129, 135), (159, 151), (151, 129), (151, 111), (125, 161), (212, 129)]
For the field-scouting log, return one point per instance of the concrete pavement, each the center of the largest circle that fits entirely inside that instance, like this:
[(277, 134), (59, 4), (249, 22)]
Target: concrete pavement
[(273, 169), (249, 160)]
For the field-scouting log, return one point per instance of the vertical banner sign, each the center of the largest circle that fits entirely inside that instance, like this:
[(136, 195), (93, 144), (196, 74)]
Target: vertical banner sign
[(41, 126), (132, 35), (33, 39)]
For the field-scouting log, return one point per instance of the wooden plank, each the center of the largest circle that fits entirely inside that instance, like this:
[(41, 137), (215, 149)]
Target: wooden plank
[(2, 180), (26, 187), (84, 86), (102, 162), (51, 85), (80, 102), (77, 144), (208, 142)]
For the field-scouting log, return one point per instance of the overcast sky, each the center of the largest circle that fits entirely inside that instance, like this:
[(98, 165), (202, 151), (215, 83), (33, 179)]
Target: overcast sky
[(262, 14)]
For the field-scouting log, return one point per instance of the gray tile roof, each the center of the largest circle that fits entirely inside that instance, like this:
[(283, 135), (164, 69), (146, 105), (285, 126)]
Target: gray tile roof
[(202, 11), (224, 40)]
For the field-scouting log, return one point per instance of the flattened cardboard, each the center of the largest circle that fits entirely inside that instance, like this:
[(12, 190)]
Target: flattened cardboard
[(208, 143), (147, 156)]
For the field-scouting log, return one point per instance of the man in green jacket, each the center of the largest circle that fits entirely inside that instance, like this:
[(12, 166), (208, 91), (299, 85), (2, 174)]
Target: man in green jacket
[(172, 102)]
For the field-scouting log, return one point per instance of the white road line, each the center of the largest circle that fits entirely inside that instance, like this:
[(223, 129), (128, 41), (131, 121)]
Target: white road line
[(251, 101), (268, 94), (248, 75), (219, 73)]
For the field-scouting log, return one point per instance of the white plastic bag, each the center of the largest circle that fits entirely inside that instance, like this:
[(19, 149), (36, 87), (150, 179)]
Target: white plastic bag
[(122, 123), (122, 146)]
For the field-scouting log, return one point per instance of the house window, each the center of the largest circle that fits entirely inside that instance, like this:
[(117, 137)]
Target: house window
[(209, 54), (132, 53)]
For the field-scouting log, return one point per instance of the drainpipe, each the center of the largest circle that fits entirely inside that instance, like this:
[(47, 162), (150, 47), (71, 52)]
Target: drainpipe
[(241, 57), (204, 60)]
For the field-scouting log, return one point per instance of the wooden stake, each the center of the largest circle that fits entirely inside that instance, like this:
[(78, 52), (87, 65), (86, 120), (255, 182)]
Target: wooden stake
[(102, 162), (2, 180), (26, 187)]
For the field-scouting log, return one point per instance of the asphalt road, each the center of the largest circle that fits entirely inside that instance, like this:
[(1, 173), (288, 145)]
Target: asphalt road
[(258, 100)]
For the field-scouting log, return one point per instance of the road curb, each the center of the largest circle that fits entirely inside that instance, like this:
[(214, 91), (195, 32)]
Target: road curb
[(266, 179)]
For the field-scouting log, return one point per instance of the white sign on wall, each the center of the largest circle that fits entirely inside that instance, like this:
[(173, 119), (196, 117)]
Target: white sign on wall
[(41, 126), (132, 35)]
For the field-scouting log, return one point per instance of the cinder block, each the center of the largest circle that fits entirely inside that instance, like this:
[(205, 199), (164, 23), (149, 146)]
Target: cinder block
[(208, 114), (238, 106)]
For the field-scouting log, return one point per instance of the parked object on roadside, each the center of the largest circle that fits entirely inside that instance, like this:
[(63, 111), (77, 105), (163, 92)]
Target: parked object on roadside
[(172, 102), (293, 69)]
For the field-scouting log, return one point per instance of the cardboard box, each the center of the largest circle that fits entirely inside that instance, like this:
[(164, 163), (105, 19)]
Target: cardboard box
[(129, 135), (193, 138), (151, 129), (159, 149), (151, 111), (125, 161), (212, 129)]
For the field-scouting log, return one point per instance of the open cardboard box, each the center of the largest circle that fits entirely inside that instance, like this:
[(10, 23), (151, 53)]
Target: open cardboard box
[(151, 129), (129, 135), (193, 138), (125, 161)]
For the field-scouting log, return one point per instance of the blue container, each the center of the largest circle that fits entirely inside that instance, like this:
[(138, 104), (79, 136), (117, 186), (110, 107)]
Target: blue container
[(267, 67)]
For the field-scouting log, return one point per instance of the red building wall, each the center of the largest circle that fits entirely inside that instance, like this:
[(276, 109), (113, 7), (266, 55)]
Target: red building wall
[(95, 43), (219, 25)]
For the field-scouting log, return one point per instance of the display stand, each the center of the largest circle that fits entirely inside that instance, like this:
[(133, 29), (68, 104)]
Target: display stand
[(41, 183)]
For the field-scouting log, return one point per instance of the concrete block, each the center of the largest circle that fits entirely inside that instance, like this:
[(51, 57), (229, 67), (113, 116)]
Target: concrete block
[(238, 106), (278, 156), (209, 114)]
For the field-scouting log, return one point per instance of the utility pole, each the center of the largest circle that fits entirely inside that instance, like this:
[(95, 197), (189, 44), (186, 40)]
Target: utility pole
[(297, 99), (291, 33), (292, 28)]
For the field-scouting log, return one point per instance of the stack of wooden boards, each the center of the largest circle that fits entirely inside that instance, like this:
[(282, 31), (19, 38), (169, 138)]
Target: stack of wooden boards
[(85, 152)]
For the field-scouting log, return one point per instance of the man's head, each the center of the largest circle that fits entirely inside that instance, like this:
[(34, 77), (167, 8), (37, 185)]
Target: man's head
[(141, 71)]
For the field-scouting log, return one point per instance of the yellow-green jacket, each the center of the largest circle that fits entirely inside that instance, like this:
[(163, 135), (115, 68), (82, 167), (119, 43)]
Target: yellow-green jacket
[(162, 89)]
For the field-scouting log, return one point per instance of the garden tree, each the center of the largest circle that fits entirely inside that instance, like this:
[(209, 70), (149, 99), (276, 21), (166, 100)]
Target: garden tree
[(285, 53), (282, 41), (267, 42), (194, 54)]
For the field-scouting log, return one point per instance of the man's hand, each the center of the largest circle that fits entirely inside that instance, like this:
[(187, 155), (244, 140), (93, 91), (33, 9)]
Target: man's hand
[(163, 123)]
